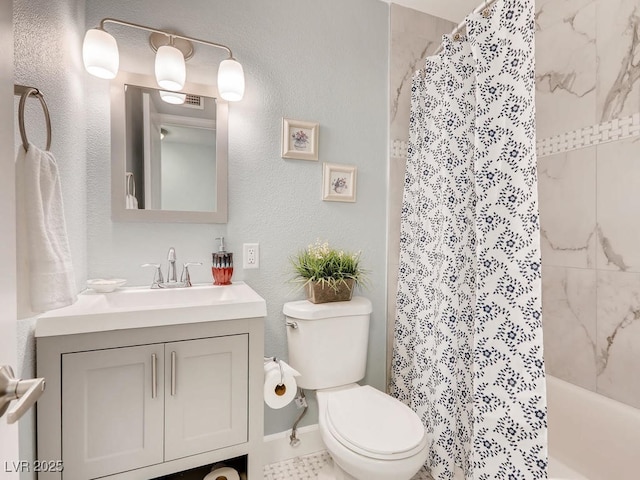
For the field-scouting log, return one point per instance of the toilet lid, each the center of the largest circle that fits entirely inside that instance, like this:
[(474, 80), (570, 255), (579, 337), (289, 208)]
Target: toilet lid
[(374, 424)]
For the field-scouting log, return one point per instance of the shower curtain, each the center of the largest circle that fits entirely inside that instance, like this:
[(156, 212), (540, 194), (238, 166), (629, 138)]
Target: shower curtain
[(468, 337)]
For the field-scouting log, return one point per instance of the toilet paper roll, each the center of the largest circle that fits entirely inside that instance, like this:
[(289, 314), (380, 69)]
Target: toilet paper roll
[(280, 387), (223, 473)]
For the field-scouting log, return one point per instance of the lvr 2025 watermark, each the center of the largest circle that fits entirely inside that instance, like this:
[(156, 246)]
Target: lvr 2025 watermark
[(37, 466)]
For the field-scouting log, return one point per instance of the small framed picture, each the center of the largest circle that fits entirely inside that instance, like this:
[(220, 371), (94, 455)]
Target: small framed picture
[(338, 182), (299, 139)]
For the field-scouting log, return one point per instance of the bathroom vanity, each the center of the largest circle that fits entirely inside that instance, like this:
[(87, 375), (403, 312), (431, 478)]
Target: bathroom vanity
[(144, 383)]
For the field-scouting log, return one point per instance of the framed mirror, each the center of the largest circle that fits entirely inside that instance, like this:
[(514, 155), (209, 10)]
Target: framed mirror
[(168, 152)]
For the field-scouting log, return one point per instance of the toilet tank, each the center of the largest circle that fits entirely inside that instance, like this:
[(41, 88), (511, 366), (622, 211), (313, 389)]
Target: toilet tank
[(328, 341)]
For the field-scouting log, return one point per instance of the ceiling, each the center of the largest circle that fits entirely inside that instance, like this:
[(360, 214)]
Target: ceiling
[(454, 10)]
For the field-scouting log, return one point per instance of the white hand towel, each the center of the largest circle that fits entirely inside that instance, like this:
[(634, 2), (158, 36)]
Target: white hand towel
[(41, 212), (131, 201)]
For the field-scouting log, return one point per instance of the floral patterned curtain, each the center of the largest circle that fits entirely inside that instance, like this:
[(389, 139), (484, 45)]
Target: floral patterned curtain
[(468, 352)]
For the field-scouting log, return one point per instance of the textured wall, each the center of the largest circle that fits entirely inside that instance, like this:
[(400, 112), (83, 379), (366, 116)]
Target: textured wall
[(308, 60), (587, 74), (48, 36), (8, 348)]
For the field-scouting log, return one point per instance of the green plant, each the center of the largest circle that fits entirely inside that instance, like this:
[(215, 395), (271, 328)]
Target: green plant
[(331, 267)]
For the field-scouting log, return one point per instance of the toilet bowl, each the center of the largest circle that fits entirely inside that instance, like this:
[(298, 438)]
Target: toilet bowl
[(369, 435)]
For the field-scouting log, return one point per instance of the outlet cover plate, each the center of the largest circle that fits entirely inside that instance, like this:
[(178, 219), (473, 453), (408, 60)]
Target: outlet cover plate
[(250, 255)]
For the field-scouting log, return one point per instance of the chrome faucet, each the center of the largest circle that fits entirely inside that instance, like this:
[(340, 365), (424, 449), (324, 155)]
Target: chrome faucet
[(172, 277)]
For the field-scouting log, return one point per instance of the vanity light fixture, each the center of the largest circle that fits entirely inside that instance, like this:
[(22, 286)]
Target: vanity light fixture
[(171, 71), (101, 59)]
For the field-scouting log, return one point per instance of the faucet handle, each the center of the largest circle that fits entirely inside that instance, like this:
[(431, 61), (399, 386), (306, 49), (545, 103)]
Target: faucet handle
[(157, 276), (185, 277)]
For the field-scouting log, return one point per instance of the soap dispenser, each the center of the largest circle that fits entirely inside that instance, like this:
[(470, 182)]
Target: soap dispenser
[(222, 268)]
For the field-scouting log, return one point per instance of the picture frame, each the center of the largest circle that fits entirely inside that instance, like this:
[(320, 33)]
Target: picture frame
[(339, 182), (300, 139)]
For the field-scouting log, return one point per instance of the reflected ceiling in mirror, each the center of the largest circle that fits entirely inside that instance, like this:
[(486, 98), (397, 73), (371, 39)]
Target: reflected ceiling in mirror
[(169, 150)]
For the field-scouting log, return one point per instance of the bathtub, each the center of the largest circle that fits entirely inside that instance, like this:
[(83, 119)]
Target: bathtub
[(591, 437)]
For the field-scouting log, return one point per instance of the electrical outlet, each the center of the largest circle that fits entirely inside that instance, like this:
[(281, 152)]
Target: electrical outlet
[(250, 255)]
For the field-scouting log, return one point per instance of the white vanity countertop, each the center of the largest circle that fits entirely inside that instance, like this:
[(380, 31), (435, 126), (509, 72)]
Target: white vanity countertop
[(140, 307)]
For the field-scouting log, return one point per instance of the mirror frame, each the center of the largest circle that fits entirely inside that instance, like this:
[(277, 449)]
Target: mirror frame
[(119, 212)]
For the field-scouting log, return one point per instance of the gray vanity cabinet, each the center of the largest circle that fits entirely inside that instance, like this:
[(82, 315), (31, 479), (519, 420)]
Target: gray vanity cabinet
[(147, 402), (206, 397), (111, 421), (115, 404)]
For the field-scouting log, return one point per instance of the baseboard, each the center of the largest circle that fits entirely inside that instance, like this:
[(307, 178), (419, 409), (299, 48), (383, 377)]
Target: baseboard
[(278, 449)]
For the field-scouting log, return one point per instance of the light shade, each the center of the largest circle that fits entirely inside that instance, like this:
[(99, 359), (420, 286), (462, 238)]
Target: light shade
[(100, 54), (170, 68), (175, 98), (231, 80)]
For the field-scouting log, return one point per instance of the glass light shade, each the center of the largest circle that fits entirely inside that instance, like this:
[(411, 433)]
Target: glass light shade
[(231, 80), (170, 68), (173, 98), (100, 54)]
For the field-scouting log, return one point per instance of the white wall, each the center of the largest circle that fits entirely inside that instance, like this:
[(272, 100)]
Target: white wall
[(8, 353), (303, 59), (47, 41)]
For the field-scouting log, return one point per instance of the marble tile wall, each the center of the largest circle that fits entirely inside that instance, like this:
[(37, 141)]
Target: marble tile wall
[(566, 65), (588, 73), (587, 67), (590, 225)]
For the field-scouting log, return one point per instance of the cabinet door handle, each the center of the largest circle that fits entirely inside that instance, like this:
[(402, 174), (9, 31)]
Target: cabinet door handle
[(154, 375), (173, 373)]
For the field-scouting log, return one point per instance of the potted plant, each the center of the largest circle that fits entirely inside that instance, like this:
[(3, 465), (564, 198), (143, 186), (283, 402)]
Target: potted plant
[(328, 274)]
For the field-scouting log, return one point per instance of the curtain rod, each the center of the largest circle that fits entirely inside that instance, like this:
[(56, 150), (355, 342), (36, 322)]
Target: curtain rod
[(455, 33)]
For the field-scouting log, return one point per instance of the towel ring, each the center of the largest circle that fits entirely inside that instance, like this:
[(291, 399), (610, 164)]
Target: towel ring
[(23, 132)]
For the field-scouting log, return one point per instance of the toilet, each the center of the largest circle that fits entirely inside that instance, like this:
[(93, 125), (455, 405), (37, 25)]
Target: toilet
[(369, 434)]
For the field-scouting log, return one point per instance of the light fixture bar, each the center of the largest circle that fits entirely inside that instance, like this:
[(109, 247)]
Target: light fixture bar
[(169, 34), (101, 58)]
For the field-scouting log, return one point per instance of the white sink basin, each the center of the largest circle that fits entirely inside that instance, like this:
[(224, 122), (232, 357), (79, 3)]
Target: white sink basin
[(140, 307), (142, 298)]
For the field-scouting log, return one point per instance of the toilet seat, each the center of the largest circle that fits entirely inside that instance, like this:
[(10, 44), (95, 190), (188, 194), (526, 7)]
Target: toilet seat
[(374, 424)]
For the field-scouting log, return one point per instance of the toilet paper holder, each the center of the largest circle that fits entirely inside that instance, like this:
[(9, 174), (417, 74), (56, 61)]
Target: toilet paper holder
[(275, 359)]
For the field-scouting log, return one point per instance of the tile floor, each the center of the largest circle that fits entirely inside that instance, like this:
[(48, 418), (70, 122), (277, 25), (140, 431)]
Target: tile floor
[(307, 467)]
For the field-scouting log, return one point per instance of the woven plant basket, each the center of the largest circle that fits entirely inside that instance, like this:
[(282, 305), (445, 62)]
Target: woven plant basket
[(323, 293)]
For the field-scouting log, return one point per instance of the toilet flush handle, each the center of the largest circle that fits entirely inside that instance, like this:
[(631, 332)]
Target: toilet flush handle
[(293, 325)]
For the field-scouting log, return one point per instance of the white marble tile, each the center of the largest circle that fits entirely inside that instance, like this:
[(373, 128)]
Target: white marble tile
[(618, 49), (618, 339), (565, 65), (307, 467), (567, 201), (569, 324), (298, 468), (618, 184), (414, 36)]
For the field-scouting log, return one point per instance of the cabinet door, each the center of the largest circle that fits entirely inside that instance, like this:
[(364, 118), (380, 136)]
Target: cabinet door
[(112, 413), (206, 395)]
